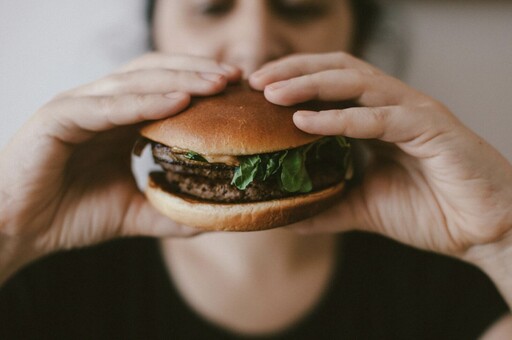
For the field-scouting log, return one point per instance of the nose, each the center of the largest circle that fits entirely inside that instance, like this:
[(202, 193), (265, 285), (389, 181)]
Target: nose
[(255, 37)]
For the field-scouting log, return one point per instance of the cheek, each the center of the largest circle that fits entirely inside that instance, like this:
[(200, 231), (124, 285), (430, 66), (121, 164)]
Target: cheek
[(334, 34), (177, 37), (175, 34), (318, 41)]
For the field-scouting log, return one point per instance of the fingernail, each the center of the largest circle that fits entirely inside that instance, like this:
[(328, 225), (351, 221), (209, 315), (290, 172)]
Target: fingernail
[(214, 77), (278, 85), (174, 95)]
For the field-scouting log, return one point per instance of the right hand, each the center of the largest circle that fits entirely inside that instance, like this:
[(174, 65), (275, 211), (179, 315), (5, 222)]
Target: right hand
[(65, 177)]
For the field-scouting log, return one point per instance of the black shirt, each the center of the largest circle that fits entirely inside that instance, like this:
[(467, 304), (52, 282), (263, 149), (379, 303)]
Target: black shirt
[(121, 290)]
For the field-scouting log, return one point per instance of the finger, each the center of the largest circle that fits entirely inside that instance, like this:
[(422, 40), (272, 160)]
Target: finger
[(338, 85), (153, 81), (74, 120), (303, 64), (184, 63), (394, 124), (143, 220)]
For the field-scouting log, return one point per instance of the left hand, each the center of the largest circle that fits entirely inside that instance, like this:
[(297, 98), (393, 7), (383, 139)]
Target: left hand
[(65, 176), (432, 183)]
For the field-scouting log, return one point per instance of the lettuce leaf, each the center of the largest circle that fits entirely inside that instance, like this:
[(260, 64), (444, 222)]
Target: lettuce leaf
[(294, 176), (246, 172), (289, 166), (195, 156)]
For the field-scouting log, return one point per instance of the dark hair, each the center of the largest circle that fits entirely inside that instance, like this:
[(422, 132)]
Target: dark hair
[(366, 14)]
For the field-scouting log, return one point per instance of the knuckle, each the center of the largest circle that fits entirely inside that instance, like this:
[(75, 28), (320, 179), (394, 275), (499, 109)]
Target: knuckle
[(379, 114), (312, 83), (340, 55), (339, 122), (341, 58), (295, 61), (310, 79), (54, 105), (107, 105), (118, 79), (139, 100), (373, 72), (110, 83), (358, 78), (339, 115), (380, 122), (434, 106), (357, 74)]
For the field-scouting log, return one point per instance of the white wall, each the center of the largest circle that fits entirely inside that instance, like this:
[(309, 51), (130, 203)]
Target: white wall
[(52, 45), (460, 52)]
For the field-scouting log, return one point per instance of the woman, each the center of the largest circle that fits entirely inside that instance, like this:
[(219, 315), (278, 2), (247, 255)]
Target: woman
[(431, 183)]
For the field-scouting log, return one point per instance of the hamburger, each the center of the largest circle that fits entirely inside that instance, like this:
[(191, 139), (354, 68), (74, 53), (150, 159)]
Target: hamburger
[(236, 162)]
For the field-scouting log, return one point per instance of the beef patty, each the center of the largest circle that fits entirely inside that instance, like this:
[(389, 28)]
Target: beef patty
[(212, 181)]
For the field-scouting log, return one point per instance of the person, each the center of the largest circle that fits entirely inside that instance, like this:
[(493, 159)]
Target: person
[(429, 182)]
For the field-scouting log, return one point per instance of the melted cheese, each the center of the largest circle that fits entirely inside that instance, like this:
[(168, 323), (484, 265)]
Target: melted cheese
[(229, 160), (223, 159)]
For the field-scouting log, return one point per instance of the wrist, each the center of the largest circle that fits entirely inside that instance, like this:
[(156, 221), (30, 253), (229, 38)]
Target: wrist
[(18, 246), (14, 254), (495, 259)]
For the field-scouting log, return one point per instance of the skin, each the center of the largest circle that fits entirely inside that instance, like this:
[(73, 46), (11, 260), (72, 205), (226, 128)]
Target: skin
[(430, 182), (248, 34)]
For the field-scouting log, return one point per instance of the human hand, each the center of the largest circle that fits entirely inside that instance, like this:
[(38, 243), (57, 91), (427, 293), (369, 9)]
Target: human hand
[(430, 183), (65, 177)]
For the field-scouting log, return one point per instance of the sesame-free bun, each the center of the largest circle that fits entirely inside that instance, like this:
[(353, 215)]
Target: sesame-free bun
[(238, 121), (238, 216)]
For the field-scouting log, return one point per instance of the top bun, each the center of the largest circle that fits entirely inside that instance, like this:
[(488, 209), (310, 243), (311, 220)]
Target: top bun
[(238, 121)]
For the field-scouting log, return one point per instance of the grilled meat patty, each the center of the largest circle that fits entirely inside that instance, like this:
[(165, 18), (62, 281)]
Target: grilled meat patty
[(212, 181)]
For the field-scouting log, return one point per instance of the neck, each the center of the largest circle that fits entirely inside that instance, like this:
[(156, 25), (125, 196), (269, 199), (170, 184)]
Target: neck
[(259, 273), (255, 250)]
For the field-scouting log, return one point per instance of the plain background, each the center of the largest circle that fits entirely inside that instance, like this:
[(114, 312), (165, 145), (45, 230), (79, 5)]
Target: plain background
[(458, 51)]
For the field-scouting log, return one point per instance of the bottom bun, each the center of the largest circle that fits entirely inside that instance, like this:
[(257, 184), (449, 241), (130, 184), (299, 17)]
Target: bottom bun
[(239, 216)]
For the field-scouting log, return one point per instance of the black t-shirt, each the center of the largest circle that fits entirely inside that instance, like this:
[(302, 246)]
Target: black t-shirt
[(121, 290)]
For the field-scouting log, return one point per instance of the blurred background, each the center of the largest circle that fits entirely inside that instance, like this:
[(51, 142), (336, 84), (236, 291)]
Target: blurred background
[(458, 51)]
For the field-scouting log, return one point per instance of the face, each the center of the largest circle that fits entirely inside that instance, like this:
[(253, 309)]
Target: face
[(248, 33)]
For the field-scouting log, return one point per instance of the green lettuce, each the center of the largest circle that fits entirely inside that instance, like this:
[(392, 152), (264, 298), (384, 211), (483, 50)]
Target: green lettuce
[(246, 172), (195, 156), (289, 166), (294, 176)]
